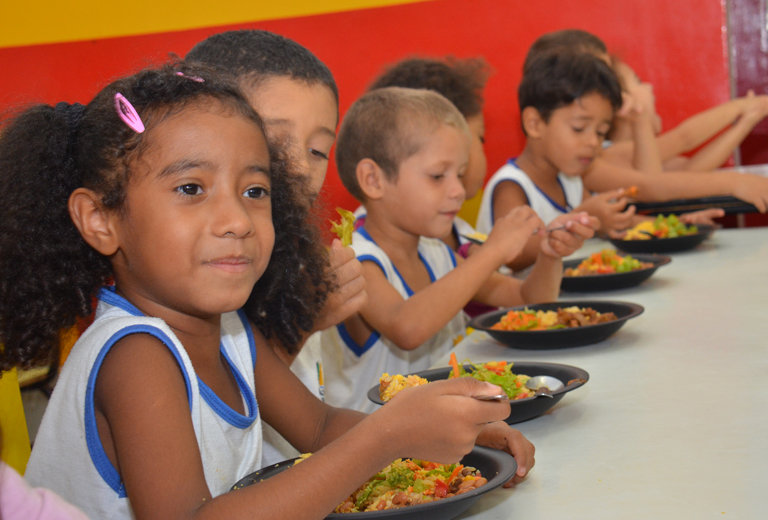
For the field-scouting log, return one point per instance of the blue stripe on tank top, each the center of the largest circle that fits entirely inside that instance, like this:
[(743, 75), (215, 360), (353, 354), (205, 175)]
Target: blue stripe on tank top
[(93, 440)]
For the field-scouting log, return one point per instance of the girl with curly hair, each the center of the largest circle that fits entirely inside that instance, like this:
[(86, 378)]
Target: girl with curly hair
[(161, 201)]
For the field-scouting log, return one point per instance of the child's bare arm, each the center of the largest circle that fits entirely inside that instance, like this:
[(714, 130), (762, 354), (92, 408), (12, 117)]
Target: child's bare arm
[(610, 209), (639, 111), (506, 197), (144, 420), (743, 113), (412, 321), (604, 176), (350, 294)]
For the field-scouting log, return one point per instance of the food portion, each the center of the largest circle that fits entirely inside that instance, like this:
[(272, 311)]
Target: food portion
[(390, 385), (564, 317), (408, 482), (496, 372), (607, 261), (661, 227), (345, 227)]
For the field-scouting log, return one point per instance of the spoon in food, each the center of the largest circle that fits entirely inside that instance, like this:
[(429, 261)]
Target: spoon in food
[(543, 386)]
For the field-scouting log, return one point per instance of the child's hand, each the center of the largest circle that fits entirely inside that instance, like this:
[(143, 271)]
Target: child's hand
[(609, 208), (500, 436), (753, 189), (704, 216), (439, 421), (349, 295), (511, 232), (576, 228)]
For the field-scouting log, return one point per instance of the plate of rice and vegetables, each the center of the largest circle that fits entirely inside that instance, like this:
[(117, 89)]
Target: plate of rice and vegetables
[(412, 489), (664, 234), (608, 270), (525, 403), (560, 324)]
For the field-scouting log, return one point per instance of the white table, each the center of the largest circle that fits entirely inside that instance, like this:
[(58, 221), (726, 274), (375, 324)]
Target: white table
[(673, 422)]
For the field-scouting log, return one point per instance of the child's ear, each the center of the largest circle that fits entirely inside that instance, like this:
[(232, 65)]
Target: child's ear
[(93, 221), (533, 123), (370, 178)]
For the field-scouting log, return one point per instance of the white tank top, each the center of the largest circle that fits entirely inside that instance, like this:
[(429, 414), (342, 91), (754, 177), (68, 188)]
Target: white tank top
[(546, 208), (68, 456)]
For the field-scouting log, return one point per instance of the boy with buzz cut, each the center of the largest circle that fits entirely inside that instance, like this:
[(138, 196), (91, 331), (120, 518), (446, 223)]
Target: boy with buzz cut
[(297, 98), (567, 102), (401, 152)]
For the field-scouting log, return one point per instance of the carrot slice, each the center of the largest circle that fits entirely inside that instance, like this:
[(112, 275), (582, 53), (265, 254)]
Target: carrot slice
[(454, 364)]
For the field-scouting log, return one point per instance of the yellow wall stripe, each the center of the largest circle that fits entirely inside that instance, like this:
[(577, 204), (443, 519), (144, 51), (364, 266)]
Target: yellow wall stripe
[(50, 21)]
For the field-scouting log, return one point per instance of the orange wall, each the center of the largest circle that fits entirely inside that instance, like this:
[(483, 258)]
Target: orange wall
[(679, 46)]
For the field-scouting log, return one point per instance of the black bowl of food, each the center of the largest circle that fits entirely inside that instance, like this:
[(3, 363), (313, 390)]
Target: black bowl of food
[(520, 409), (587, 331), (496, 466), (576, 278), (653, 244)]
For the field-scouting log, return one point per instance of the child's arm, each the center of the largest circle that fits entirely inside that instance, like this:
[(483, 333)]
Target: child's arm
[(412, 321), (349, 295), (506, 197), (604, 176), (543, 282), (143, 417), (610, 209), (646, 156)]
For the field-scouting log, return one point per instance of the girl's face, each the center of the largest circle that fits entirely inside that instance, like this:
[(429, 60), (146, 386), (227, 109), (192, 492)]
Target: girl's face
[(428, 192), (197, 229), (302, 118)]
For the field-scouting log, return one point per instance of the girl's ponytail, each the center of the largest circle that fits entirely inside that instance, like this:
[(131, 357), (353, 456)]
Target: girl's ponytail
[(48, 274)]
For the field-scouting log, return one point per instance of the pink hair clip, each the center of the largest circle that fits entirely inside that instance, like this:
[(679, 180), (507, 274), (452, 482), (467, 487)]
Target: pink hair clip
[(193, 78), (128, 114)]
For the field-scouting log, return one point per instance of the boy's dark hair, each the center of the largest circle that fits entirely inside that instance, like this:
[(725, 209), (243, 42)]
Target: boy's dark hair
[(556, 79), (49, 275), (388, 125), (574, 40), (252, 56), (461, 81)]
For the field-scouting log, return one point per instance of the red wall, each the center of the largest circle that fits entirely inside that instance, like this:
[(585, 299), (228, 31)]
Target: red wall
[(677, 45)]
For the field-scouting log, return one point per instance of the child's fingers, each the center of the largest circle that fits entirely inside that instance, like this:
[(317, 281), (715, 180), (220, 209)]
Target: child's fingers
[(339, 255)]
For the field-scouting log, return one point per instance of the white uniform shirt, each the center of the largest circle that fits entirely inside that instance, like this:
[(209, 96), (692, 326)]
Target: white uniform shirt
[(351, 369), (68, 456), (546, 208)]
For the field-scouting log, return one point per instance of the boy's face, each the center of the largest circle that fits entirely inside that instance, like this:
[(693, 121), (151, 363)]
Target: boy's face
[(428, 192), (574, 135), (300, 116), (475, 175)]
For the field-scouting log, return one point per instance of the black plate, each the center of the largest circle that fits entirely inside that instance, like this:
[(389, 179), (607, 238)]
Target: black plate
[(664, 245), (611, 281), (496, 466), (559, 338), (522, 409)]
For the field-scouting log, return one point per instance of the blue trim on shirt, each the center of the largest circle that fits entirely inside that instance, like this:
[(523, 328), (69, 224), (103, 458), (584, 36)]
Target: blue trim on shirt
[(221, 408), (554, 204), (350, 343), (108, 294), (93, 441)]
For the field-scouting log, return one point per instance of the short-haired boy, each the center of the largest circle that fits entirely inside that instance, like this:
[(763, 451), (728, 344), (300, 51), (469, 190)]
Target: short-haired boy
[(401, 152), (297, 98), (567, 102)]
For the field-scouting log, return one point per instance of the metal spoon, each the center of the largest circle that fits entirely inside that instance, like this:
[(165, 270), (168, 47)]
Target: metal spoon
[(543, 386)]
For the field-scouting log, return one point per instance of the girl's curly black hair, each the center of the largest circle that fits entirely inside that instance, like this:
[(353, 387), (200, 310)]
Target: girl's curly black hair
[(49, 275)]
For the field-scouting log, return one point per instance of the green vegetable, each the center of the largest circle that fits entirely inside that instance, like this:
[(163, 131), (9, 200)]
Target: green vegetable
[(345, 227)]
